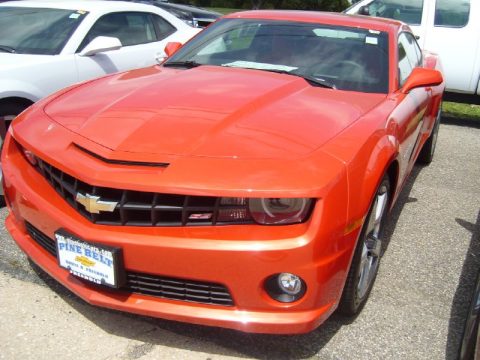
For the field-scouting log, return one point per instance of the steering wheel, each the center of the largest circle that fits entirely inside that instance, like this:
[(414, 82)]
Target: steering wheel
[(349, 64), (334, 69)]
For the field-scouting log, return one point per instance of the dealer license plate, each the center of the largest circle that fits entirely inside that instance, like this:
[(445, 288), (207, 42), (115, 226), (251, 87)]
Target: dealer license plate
[(98, 264)]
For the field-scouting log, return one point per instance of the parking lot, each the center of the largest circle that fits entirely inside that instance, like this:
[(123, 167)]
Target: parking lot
[(416, 309)]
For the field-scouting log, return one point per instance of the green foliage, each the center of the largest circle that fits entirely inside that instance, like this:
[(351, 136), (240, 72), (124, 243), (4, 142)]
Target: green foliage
[(323, 5)]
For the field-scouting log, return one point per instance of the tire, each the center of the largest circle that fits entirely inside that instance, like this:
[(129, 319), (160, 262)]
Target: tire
[(428, 150), (366, 258), (8, 112)]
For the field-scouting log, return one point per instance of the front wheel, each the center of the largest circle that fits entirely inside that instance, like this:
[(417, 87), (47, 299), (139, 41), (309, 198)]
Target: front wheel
[(8, 112), (366, 258)]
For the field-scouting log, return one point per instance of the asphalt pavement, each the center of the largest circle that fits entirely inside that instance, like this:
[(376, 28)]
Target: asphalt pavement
[(416, 309)]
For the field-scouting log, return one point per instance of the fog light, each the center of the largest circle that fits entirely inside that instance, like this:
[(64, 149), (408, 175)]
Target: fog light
[(289, 283), (285, 287)]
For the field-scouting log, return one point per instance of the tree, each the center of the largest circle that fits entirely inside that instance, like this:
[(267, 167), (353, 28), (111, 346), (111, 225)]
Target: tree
[(257, 4)]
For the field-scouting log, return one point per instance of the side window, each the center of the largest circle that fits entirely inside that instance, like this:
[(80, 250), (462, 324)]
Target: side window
[(404, 67), (452, 13), (409, 56), (409, 12), (163, 27), (131, 28), (414, 53), (418, 53)]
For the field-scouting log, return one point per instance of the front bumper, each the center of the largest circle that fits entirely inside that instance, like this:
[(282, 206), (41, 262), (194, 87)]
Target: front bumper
[(279, 321), (241, 257)]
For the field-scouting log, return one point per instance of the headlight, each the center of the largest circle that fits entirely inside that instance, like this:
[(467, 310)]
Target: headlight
[(27, 154), (265, 211), (271, 211)]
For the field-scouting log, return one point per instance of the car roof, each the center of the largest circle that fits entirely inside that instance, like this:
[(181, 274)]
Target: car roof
[(86, 5), (365, 22), (187, 7)]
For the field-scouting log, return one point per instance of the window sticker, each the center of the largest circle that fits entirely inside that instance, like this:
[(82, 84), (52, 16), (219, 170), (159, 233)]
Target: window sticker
[(74, 16), (371, 40)]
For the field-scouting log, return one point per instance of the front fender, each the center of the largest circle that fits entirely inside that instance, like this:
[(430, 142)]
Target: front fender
[(366, 172), (21, 89), (367, 149)]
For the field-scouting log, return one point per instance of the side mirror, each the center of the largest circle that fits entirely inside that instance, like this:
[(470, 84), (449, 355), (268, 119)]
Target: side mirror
[(101, 44), (421, 77), (172, 47), (364, 10)]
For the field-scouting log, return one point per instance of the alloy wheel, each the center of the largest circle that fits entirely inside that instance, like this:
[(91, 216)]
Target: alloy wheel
[(372, 246)]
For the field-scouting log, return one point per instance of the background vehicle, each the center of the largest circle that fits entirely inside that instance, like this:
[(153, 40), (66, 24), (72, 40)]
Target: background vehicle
[(273, 142), (448, 28), (46, 46), (190, 14)]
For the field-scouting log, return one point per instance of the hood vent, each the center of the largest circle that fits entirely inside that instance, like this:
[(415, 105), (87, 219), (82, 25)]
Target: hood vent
[(121, 162)]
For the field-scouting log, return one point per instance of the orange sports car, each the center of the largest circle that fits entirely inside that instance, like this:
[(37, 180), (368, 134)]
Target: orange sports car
[(244, 183)]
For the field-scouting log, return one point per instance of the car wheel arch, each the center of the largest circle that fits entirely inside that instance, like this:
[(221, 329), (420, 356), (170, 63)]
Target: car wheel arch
[(9, 108), (382, 161), (391, 170), (17, 100)]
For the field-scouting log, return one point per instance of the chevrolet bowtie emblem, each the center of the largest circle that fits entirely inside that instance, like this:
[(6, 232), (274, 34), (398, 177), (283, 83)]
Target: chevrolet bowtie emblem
[(94, 205)]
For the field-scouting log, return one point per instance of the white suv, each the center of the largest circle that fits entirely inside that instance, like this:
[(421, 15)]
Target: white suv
[(446, 27)]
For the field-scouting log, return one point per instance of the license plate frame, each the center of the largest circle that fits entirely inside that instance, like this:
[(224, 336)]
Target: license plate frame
[(96, 263)]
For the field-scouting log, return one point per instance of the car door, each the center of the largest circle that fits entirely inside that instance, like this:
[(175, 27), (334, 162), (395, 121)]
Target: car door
[(143, 36), (409, 115), (453, 34)]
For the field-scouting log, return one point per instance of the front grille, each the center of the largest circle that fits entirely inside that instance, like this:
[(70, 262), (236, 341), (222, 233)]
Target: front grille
[(154, 285), (185, 290), (138, 208), (42, 239)]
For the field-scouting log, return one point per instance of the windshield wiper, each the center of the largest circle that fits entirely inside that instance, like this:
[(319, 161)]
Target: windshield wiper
[(8, 49), (316, 81), (186, 64), (319, 81)]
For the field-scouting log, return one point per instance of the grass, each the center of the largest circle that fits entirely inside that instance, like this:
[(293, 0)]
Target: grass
[(224, 11), (461, 111)]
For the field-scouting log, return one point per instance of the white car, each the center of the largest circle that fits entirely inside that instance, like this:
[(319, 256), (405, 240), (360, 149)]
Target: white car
[(46, 46), (449, 28)]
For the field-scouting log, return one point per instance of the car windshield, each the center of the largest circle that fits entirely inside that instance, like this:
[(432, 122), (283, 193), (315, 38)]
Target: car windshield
[(43, 31), (346, 58)]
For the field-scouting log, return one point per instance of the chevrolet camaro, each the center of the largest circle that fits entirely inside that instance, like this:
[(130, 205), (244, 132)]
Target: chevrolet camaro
[(244, 183)]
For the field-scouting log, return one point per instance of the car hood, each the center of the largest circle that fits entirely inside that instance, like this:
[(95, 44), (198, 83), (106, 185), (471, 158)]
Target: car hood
[(208, 111), (9, 62)]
